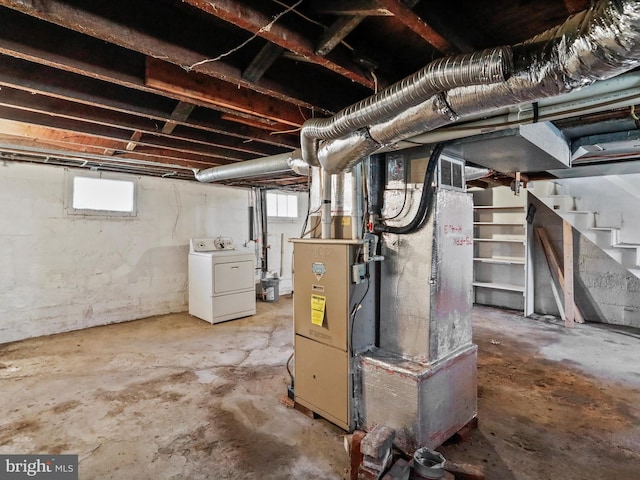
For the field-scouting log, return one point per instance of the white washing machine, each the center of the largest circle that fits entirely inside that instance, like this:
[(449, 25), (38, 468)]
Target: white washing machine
[(221, 280)]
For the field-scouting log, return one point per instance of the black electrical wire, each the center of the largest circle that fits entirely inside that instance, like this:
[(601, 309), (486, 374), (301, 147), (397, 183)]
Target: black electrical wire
[(425, 199), (306, 219), (404, 200), (289, 368), (354, 313)]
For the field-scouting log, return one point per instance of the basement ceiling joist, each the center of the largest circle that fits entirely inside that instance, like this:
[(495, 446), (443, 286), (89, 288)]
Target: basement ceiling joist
[(197, 83)]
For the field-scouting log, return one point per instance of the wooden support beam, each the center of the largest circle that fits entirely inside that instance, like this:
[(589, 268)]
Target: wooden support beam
[(105, 29), (567, 249), (405, 15), (54, 107), (574, 6), (262, 62), (193, 86), (243, 16), (39, 139), (132, 144), (369, 8), (556, 268), (119, 135), (39, 79), (180, 114), (336, 33)]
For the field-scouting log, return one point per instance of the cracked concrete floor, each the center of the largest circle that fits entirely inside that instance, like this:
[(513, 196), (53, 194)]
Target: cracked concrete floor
[(173, 397), (168, 397)]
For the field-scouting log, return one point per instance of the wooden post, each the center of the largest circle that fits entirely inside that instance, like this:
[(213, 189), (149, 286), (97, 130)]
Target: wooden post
[(558, 271), (567, 248)]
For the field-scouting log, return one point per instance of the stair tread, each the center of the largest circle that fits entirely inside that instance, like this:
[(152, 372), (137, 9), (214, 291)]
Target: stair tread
[(604, 228), (626, 245), (499, 224), (501, 207), (500, 286), (503, 240)]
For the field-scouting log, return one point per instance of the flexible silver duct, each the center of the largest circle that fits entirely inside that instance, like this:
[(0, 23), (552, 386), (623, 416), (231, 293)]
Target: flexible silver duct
[(482, 67), (284, 162), (476, 173), (599, 43), (596, 44)]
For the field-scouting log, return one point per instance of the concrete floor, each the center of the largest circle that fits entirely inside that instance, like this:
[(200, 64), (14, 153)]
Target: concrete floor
[(173, 397)]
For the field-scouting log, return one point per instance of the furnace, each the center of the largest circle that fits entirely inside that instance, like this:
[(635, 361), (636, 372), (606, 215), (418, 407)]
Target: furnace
[(383, 321)]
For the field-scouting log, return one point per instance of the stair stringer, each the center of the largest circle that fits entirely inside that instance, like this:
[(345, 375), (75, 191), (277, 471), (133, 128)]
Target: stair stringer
[(606, 210)]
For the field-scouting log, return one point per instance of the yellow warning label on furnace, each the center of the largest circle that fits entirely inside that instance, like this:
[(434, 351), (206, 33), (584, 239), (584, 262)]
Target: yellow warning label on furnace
[(317, 309)]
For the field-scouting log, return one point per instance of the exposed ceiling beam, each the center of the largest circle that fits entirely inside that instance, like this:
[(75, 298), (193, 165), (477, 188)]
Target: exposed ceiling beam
[(62, 85), (89, 23), (189, 86), (369, 8), (267, 56), (22, 100), (180, 114), (119, 135), (57, 141), (57, 47), (405, 15), (133, 141), (260, 24), (338, 30), (574, 6)]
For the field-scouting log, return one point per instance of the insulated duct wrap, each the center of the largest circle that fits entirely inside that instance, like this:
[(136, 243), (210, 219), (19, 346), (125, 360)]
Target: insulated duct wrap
[(486, 66), (596, 44), (284, 162)]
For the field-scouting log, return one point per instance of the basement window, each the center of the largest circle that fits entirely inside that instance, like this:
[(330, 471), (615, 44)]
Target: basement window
[(282, 205), (100, 195)]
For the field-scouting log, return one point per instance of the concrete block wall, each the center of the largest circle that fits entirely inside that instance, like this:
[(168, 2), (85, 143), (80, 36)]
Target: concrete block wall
[(609, 291), (60, 272)]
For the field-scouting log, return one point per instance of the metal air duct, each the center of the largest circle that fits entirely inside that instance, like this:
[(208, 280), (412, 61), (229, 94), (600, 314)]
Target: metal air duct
[(283, 162), (596, 44), (487, 66)]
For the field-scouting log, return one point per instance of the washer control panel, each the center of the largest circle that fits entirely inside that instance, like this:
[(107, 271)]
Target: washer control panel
[(210, 244)]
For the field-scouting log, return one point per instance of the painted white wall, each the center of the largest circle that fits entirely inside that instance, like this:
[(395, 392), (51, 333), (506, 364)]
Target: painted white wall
[(60, 272)]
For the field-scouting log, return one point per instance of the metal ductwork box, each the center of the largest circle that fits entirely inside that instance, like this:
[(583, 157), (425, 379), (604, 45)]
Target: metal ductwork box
[(421, 381)]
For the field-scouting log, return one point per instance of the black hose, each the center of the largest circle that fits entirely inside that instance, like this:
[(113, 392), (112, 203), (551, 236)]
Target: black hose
[(425, 199)]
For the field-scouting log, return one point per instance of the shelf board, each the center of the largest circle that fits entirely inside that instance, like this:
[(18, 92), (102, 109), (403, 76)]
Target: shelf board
[(514, 208), (500, 240), (500, 261), (500, 286), (498, 224)]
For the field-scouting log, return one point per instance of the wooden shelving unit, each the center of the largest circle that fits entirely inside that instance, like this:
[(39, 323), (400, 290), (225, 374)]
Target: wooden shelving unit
[(500, 254)]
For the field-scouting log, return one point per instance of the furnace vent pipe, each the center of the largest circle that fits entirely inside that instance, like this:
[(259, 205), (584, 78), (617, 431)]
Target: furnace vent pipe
[(356, 201), (486, 66), (325, 212), (596, 44), (284, 162)]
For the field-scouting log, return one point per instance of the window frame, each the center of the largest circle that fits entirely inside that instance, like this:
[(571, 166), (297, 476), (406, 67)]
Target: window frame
[(71, 175), (280, 218)]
